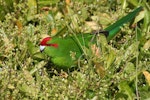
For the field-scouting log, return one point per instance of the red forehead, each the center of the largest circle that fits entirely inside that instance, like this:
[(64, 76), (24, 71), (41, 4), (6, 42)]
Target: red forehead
[(45, 40)]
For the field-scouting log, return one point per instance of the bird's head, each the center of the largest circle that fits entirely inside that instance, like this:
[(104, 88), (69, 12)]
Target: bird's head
[(46, 42)]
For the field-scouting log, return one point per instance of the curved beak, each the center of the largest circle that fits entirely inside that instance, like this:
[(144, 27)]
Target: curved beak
[(42, 48)]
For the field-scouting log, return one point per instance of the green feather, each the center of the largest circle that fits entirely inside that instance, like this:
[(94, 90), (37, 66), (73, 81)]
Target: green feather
[(115, 28), (68, 51)]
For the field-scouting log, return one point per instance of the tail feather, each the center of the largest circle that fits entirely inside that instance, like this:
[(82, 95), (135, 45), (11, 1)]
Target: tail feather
[(115, 28)]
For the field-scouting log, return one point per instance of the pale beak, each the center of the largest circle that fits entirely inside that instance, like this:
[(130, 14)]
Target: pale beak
[(42, 48)]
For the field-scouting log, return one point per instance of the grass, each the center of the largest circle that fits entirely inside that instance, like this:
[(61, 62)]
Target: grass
[(120, 72)]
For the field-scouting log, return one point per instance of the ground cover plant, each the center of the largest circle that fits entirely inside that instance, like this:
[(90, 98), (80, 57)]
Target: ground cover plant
[(120, 70)]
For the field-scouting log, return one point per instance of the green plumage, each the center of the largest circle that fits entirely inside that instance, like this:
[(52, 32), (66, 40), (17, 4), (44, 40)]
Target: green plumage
[(115, 28), (68, 51)]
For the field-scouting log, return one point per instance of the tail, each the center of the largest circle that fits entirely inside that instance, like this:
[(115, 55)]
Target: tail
[(115, 28)]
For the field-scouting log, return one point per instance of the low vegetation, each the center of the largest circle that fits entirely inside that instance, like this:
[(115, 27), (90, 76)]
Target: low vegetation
[(121, 70)]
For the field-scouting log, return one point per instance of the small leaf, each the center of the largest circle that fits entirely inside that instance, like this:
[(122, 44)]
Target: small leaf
[(100, 70), (125, 88), (54, 32), (131, 51), (111, 57), (37, 67), (147, 76), (147, 45), (139, 17), (10, 86), (30, 46), (102, 41), (93, 25), (130, 68), (68, 2)]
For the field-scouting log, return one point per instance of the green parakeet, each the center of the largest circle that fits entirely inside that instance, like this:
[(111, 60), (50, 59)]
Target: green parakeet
[(65, 52)]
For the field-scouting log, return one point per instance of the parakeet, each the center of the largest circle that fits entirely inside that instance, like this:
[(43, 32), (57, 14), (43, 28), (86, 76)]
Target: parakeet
[(65, 52)]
